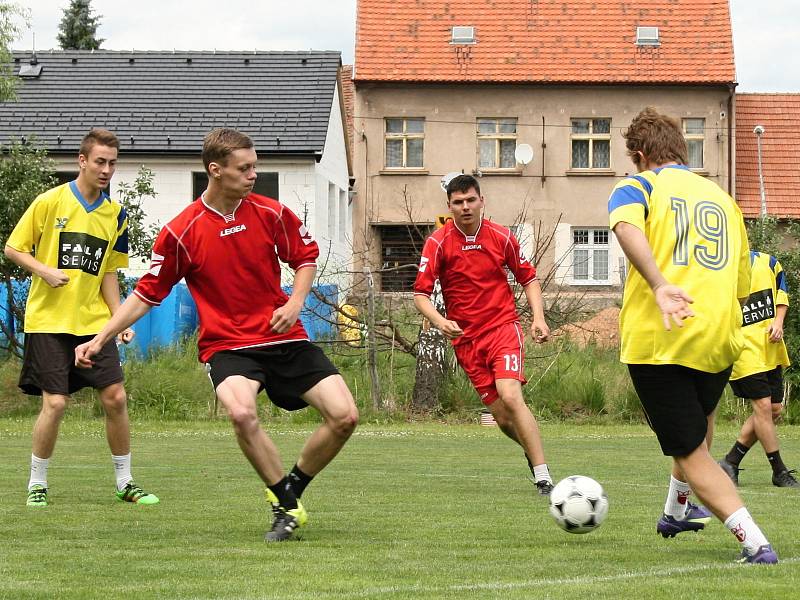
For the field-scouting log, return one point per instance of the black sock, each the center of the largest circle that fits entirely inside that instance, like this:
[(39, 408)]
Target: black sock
[(776, 461), (530, 464), (299, 480), (286, 496), (737, 453)]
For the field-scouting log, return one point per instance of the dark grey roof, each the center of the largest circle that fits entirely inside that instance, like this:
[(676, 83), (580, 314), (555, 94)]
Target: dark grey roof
[(159, 102)]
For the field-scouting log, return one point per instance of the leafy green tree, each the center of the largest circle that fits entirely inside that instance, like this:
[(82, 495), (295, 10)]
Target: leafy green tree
[(78, 27), (25, 172), (10, 16), (140, 237)]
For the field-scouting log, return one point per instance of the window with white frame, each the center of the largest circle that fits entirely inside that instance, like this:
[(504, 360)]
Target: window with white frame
[(405, 140), (497, 140), (590, 256), (694, 130), (591, 143)]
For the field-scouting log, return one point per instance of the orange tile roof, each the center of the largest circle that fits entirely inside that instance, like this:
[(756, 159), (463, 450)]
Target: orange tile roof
[(347, 96), (552, 41), (780, 146)]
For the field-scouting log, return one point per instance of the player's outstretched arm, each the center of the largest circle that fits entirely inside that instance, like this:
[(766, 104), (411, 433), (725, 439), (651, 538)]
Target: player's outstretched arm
[(672, 301), (52, 276), (109, 289), (539, 328), (131, 311)]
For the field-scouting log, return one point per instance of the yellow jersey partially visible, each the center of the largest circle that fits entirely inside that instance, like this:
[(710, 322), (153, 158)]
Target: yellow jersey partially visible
[(84, 240), (768, 290), (699, 242)]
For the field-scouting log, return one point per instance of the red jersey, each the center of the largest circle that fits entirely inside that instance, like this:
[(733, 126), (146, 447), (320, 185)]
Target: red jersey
[(472, 272), (230, 264)]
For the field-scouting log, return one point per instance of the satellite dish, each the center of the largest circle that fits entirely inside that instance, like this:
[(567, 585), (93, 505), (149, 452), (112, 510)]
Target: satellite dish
[(447, 178), (523, 154)]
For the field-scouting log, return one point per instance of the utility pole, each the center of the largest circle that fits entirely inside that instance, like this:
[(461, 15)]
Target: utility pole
[(759, 131)]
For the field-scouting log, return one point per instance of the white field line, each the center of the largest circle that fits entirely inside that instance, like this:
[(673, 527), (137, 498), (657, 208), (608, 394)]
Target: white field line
[(538, 583)]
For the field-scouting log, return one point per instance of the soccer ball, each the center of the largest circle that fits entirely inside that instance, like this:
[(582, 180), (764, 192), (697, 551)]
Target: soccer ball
[(578, 504)]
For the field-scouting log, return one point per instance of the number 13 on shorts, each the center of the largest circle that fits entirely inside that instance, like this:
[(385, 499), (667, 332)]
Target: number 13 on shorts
[(511, 362)]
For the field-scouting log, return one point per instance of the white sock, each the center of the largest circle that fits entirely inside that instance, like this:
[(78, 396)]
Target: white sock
[(677, 498), (741, 525), (38, 471), (541, 472), (122, 469)]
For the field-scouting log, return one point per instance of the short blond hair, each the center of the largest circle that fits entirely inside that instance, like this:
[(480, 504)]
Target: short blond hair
[(98, 137)]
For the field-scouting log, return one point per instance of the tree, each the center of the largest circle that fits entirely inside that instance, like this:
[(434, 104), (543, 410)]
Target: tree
[(9, 31), (78, 27), (25, 172)]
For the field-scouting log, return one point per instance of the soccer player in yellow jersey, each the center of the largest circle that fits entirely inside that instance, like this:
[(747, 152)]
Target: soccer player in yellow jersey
[(72, 239), (758, 373), (681, 320)]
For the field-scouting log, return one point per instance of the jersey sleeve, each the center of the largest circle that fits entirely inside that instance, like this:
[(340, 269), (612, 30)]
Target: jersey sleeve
[(118, 258), (28, 230), (428, 270), (296, 246), (782, 296), (630, 201), (169, 264), (524, 272)]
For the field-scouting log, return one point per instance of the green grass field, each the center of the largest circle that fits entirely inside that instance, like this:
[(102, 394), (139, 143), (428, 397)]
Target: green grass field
[(407, 511)]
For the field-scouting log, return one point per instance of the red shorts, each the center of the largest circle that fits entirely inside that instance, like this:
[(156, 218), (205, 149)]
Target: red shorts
[(496, 354)]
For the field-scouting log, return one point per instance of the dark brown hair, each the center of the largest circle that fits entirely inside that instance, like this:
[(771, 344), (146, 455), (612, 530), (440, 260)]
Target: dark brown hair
[(219, 144), (462, 183), (98, 137), (657, 136)]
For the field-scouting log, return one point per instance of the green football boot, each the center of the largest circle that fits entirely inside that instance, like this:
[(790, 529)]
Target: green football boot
[(37, 496), (136, 495), (286, 524)]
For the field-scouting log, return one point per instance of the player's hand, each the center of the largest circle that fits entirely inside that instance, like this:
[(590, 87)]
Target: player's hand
[(126, 336), (540, 331), (775, 333), (85, 352), (284, 317), (673, 303), (450, 329), (55, 278)]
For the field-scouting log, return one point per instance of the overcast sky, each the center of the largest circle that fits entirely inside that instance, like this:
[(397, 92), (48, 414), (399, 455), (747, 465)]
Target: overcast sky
[(764, 32)]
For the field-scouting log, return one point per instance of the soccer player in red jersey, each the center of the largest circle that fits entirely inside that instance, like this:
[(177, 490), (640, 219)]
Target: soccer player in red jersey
[(227, 245), (469, 256)]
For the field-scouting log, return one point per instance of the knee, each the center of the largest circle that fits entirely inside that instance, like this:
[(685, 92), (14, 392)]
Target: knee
[(345, 424), (54, 406), (243, 418), (114, 400), (763, 408)]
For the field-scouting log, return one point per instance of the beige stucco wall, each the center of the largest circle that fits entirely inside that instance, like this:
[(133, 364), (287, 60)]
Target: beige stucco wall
[(450, 145)]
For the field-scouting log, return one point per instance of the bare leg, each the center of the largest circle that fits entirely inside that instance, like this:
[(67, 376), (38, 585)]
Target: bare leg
[(115, 405), (760, 426), (333, 400), (45, 430), (516, 420), (238, 395), (709, 482)]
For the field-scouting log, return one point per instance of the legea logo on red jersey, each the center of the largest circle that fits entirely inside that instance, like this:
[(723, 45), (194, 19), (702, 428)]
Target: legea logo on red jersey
[(232, 230), (472, 247), (423, 264)]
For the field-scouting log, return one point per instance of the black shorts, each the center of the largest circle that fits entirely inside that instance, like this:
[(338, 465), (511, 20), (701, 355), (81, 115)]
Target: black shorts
[(768, 384), (48, 364), (677, 401), (286, 371)]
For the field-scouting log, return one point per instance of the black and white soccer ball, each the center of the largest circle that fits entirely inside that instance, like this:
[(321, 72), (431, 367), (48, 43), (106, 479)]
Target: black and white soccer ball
[(578, 504)]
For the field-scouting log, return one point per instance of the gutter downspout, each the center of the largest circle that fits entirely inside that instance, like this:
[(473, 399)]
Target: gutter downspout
[(731, 141)]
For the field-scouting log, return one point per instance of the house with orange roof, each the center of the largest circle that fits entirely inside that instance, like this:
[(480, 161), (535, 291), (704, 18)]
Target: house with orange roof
[(474, 86), (771, 121)]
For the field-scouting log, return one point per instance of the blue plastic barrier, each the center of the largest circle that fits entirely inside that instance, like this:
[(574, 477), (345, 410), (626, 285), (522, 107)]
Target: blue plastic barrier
[(176, 317)]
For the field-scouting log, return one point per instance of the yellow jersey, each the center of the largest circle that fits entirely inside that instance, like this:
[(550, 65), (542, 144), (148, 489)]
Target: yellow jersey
[(768, 290), (86, 241), (699, 242)]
